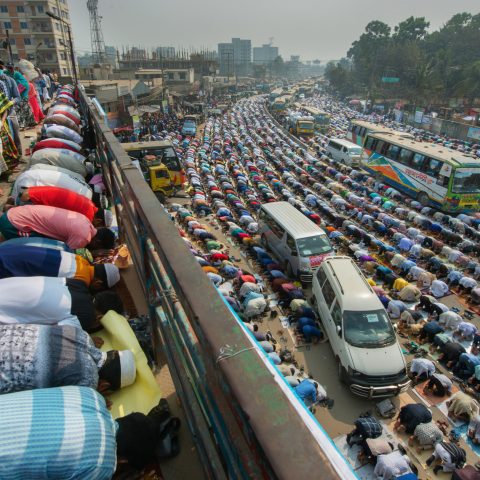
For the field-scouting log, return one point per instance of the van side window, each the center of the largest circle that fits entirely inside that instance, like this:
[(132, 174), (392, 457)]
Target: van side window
[(273, 226), (321, 277), (337, 315), (291, 243), (328, 293)]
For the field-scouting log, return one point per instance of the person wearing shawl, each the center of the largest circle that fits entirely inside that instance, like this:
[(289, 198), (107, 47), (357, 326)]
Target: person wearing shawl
[(24, 112), (8, 150), (462, 407), (34, 103)]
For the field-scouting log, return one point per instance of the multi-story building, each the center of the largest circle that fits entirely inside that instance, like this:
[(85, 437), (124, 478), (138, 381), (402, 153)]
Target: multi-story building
[(36, 36), (264, 55), (225, 59), (242, 56), (235, 58), (165, 52)]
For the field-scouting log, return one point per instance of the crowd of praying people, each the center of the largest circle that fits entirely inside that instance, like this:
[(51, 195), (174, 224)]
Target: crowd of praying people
[(58, 279), (404, 249)]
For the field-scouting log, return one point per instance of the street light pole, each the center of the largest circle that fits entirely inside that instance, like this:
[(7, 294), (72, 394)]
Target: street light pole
[(70, 41)]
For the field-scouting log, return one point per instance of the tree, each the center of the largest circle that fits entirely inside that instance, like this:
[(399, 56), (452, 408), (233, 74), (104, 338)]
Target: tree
[(432, 67), (368, 53), (469, 87), (339, 76), (411, 30)]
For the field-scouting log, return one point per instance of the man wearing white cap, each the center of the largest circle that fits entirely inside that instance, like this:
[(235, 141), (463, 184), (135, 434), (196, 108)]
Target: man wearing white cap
[(27, 261), (44, 356)]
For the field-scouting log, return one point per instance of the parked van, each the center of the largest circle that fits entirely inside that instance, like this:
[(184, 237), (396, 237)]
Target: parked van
[(361, 335), (345, 152), (298, 243)]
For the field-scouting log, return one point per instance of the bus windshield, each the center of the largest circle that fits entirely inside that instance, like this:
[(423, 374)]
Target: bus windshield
[(305, 124), (316, 245), (466, 180), (371, 329)]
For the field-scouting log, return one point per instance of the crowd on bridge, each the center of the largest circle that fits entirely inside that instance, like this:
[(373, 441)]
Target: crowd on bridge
[(24, 92), (58, 280)]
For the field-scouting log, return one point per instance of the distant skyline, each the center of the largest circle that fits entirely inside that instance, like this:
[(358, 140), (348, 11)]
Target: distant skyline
[(312, 28)]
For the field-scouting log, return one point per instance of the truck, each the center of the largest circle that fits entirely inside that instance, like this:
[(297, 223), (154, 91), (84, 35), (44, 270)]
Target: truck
[(159, 165), (301, 126)]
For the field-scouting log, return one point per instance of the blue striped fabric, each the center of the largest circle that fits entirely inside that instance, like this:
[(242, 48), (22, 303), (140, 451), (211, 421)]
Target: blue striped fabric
[(56, 433)]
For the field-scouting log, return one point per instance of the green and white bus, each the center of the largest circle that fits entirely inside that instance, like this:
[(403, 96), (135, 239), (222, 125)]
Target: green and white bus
[(434, 175)]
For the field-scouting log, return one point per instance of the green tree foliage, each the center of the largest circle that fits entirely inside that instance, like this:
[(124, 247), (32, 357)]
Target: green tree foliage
[(431, 66)]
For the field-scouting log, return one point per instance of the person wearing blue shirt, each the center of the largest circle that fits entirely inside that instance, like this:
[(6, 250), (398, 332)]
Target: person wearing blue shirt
[(303, 321), (311, 333), (307, 390), (465, 366), (405, 244)]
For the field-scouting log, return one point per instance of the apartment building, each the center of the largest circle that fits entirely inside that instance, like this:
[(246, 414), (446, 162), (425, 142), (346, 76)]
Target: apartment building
[(36, 36)]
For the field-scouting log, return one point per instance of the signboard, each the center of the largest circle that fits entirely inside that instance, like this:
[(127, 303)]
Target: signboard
[(474, 133), (390, 79), (165, 106), (136, 124)]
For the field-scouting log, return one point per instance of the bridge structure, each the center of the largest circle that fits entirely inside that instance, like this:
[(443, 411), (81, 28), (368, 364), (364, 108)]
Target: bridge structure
[(245, 421)]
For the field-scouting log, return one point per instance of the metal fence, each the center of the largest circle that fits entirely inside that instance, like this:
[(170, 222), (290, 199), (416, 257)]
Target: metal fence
[(440, 126), (243, 424)]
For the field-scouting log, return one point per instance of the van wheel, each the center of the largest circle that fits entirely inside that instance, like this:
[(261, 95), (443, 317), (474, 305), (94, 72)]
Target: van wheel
[(342, 374), (423, 199)]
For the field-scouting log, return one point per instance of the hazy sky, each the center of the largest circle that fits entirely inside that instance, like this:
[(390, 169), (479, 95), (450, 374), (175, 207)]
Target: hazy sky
[(322, 29)]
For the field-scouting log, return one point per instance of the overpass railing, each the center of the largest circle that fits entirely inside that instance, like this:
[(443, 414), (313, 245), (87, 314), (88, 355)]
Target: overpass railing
[(244, 421)]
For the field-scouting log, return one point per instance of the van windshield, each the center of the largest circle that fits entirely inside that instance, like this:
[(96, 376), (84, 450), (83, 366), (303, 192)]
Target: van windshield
[(355, 151), (371, 329), (313, 245)]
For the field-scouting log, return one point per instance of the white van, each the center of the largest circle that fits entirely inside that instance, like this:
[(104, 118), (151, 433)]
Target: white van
[(295, 240), (361, 335), (345, 152)]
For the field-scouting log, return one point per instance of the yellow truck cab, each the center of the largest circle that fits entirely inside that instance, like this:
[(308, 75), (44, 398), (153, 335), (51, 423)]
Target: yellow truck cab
[(166, 155), (158, 176)]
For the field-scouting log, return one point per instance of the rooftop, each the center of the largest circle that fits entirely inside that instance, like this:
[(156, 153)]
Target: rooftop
[(428, 149), (292, 220)]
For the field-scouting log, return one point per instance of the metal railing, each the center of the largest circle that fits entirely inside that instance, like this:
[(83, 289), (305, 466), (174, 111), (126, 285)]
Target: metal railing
[(243, 423)]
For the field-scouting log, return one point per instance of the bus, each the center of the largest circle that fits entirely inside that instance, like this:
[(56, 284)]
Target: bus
[(434, 175), (321, 119), (165, 152), (275, 94), (359, 129)]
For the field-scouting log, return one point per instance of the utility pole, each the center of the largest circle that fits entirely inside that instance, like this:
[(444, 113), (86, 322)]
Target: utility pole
[(9, 45), (70, 42)]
